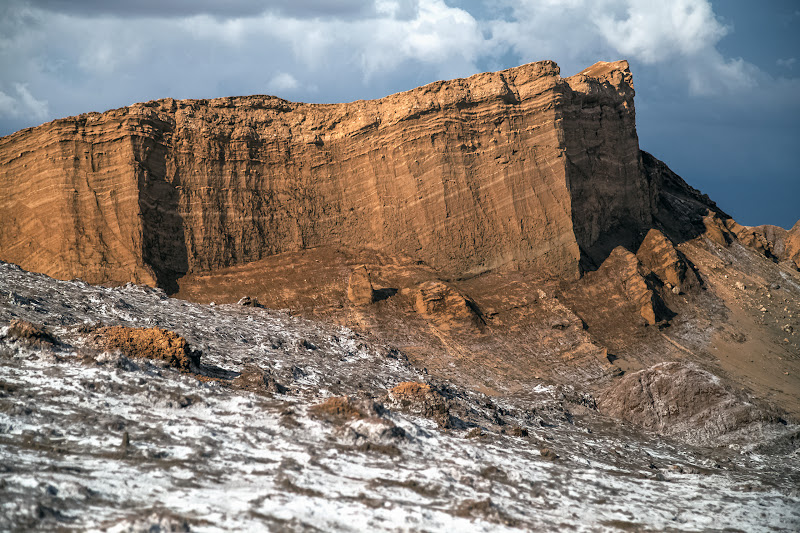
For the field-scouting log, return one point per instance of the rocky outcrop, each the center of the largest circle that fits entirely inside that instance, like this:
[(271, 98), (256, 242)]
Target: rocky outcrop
[(445, 306), (360, 291), (681, 399), (623, 268), (658, 255), (604, 169), (149, 343), (516, 167), (773, 241)]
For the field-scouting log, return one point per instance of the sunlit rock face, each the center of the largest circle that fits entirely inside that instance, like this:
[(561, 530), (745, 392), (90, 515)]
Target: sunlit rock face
[(520, 167)]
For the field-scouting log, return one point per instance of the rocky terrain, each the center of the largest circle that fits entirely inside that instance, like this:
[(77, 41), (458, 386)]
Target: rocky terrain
[(476, 305), (291, 425)]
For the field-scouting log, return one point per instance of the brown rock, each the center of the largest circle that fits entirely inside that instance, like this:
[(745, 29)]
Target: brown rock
[(513, 167), (340, 409), (772, 241), (359, 289), (444, 305), (659, 256), (248, 301), (680, 399), (149, 343), (29, 333), (255, 379), (716, 230), (623, 267), (422, 399), (548, 454)]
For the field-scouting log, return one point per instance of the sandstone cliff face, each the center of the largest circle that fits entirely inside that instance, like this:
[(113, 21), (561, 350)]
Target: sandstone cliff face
[(519, 166)]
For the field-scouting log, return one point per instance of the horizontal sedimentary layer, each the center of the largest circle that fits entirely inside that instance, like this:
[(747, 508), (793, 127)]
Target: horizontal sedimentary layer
[(518, 166)]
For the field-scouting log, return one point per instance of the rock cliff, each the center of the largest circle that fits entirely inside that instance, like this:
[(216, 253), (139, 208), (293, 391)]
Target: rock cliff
[(520, 167)]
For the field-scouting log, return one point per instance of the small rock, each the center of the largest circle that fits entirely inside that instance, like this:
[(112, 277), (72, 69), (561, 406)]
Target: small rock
[(258, 380), (474, 433), (247, 301), (29, 333), (676, 290), (548, 454), (739, 285)]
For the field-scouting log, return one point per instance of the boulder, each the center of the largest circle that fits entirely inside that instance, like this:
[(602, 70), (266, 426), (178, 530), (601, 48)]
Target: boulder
[(149, 343), (445, 306), (360, 291)]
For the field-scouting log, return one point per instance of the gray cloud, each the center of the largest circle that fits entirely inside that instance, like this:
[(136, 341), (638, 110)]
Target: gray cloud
[(60, 58), (220, 9)]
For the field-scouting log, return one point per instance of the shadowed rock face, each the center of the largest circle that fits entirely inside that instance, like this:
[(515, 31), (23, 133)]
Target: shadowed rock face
[(513, 167)]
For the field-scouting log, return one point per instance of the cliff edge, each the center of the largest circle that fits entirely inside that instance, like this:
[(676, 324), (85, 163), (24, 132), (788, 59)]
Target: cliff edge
[(518, 167)]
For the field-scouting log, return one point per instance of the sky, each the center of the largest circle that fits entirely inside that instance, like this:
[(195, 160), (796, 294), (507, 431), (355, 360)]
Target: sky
[(717, 82)]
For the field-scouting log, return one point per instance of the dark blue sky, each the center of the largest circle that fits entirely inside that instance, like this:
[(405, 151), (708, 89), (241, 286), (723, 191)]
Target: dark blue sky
[(717, 82)]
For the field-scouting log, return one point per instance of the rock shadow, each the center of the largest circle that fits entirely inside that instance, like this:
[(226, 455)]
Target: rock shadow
[(383, 294), (678, 211), (163, 239)]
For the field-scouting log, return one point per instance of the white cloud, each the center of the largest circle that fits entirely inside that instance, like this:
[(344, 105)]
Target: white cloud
[(439, 35), (283, 81), (681, 35), (786, 63), (79, 62), (23, 104)]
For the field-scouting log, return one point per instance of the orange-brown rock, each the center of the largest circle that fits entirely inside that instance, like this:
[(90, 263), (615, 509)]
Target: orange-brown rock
[(659, 256), (716, 229), (359, 289), (519, 167), (623, 268), (29, 333), (420, 398), (340, 409), (149, 343), (772, 241), (444, 305)]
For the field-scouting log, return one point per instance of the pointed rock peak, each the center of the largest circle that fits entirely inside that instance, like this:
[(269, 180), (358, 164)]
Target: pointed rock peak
[(658, 255)]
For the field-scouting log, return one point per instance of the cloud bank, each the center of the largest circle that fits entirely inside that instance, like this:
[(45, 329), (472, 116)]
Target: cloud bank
[(65, 57), (91, 54)]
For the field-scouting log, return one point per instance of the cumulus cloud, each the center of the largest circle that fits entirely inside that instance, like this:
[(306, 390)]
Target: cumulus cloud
[(283, 81), (682, 34), (22, 103), (92, 55)]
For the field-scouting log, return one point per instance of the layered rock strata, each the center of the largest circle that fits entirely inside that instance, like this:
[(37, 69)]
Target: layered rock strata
[(520, 166)]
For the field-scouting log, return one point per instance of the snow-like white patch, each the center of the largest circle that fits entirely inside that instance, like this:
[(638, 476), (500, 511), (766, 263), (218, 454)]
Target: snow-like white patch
[(217, 459)]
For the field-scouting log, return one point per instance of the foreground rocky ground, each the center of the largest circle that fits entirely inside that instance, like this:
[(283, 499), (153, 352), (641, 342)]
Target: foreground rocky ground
[(245, 419)]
